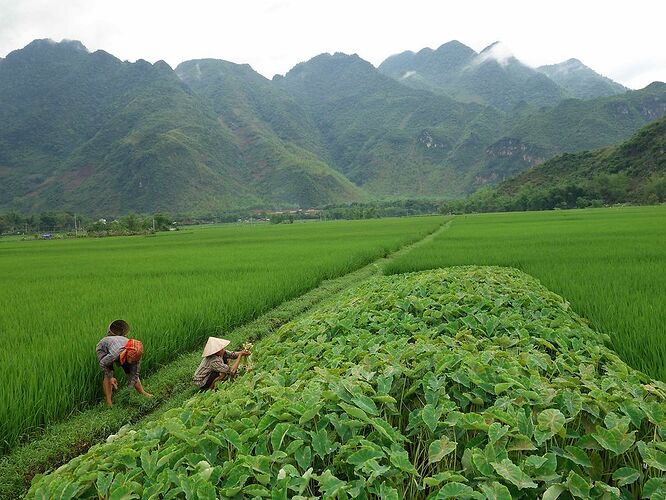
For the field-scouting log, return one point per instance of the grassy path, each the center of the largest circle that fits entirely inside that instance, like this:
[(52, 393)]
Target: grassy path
[(171, 386)]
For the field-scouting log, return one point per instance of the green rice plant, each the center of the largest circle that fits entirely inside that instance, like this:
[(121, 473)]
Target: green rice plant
[(174, 289), (609, 263), (458, 383)]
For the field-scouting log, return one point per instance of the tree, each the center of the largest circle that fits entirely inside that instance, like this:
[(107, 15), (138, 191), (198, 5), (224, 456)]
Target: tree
[(47, 221), (131, 222), (162, 222)]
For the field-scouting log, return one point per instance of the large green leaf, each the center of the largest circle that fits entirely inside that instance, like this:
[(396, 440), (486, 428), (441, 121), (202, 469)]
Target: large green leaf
[(430, 415), (615, 440), (633, 411), (386, 430), (455, 490), (303, 457), (496, 491), (353, 411), (551, 420), (387, 492), (444, 477), (578, 486), (330, 485), (309, 414), (366, 404), (364, 454), (321, 444), (625, 475), (497, 431), (119, 493), (572, 403), (104, 480), (525, 423), (439, 448), (654, 411), (553, 492), (514, 474), (400, 459), (482, 462), (234, 438), (256, 490), (655, 489), (520, 443), (652, 456), (278, 434), (577, 456), (605, 491)]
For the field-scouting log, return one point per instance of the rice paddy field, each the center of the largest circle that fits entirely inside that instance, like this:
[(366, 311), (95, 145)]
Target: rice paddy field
[(57, 298), (610, 264)]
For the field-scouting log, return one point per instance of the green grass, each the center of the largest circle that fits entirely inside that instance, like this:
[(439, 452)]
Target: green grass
[(609, 263), (175, 289)]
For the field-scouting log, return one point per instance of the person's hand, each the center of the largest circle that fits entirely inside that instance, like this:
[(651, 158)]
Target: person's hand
[(114, 383), (245, 353)]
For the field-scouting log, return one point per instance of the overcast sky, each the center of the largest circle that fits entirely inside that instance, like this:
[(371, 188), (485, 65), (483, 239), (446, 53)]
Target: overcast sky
[(623, 40)]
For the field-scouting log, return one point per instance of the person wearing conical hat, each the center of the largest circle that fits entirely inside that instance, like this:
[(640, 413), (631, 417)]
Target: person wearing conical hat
[(117, 348), (214, 366)]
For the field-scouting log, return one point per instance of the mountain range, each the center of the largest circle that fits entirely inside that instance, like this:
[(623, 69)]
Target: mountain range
[(88, 132)]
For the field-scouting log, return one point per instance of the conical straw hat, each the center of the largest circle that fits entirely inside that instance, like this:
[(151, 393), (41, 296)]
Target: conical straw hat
[(119, 327), (214, 345)]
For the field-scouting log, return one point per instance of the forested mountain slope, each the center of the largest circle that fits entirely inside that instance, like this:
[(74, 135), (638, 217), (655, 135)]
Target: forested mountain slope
[(87, 132)]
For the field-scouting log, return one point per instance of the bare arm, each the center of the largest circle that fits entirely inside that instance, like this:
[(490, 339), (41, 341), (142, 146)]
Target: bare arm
[(234, 368)]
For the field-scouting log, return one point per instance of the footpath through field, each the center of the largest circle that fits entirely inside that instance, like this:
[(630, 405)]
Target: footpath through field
[(171, 386)]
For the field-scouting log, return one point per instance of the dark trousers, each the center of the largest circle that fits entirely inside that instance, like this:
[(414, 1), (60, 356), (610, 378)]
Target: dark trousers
[(209, 381)]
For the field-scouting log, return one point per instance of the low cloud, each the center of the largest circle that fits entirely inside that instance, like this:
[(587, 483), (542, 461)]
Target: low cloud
[(497, 52)]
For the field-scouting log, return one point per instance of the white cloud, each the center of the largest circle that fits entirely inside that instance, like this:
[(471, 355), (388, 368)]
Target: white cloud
[(498, 52), (274, 35)]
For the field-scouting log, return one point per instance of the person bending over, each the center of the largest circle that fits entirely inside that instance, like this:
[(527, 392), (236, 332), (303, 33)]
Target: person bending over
[(214, 366), (117, 348)]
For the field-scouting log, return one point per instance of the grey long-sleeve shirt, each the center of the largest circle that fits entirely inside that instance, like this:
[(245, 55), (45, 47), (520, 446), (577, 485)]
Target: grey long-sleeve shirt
[(108, 352), (213, 363)]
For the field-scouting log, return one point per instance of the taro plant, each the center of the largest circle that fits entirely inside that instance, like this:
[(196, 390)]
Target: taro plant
[(467, 382)]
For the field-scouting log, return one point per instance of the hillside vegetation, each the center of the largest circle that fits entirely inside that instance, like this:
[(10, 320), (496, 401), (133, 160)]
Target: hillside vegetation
[(466, 382), (86, 132), (282, 151), (634, 171), (581, 81), (492, 76)]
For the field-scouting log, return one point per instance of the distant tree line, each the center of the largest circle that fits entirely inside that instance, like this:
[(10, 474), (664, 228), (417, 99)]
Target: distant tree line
[(601, 190), (373, 210), (69, 223)]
